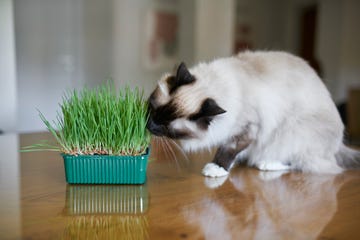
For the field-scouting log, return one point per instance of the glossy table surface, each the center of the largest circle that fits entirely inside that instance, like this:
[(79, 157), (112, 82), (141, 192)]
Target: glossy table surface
[(176, 202)]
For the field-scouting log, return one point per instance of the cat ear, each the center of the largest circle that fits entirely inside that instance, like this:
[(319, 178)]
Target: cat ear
[(183, 76), (209, 108)]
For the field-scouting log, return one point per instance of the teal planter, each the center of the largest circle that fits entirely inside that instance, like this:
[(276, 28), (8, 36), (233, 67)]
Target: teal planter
[(105, 169)]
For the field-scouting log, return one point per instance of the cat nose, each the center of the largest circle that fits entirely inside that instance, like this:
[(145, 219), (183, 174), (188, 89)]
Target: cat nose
[(151, 102), (156, 129)]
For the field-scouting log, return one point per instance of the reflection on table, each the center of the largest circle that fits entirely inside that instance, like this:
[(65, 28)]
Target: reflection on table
[(106, 199), (106, 212), (269, 205)]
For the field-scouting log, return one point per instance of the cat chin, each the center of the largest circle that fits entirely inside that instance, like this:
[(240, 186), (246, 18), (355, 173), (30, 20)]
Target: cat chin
[(204, 141), (188, 145), (194, 145)]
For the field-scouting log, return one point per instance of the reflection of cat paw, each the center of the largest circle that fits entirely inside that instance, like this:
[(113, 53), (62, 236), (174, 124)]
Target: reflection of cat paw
[(267, 176), (214, 170), (214, 182)]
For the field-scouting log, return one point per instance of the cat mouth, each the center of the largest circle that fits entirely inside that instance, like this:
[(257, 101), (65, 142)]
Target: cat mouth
[(158, 130)]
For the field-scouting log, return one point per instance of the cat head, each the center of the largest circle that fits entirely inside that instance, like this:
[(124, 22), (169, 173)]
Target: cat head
[(182, 107)]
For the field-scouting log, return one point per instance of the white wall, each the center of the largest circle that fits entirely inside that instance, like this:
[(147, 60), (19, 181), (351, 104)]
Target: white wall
[(71, 43), (128, 27), (128, 39), (329, 42), (187, 31), (338, 45), (275, 25), (350, 49), (97, 30), (47, 42), (60, 45), (8, 102), (266, 20), (214, 29)]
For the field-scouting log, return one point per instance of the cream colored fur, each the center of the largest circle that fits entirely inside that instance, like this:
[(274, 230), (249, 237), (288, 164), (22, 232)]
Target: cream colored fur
[(275, 98)]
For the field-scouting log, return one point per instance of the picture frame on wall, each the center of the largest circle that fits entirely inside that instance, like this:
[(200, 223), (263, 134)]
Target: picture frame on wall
[(161, 40)]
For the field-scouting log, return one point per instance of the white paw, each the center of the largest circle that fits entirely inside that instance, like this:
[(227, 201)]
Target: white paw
[(272, 166), (214, 170), (267, 176)]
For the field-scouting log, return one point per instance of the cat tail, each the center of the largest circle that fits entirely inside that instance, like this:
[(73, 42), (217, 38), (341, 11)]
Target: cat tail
[(348, 158)]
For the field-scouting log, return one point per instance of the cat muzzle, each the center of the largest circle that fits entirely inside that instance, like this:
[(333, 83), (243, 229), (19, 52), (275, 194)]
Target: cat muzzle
[(156, 129)]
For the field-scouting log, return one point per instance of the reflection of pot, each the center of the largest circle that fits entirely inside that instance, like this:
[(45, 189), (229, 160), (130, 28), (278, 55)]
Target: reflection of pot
[(106, 169), (103, 199), (106, 212)]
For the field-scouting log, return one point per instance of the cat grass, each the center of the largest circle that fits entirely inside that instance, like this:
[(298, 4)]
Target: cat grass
[(99, 121)]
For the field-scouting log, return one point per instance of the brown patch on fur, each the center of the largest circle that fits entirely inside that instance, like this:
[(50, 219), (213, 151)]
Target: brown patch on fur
[(258, 66), (182, 134), (164, 114), (226, 153), (181, 78), (153, 99), (254, 65)]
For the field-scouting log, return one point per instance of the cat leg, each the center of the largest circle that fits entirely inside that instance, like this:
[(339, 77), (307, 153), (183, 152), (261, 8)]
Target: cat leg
[(225, 157), (219, 167)]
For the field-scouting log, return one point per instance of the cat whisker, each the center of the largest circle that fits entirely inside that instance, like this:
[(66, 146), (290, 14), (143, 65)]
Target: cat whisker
[(173, 155), (155, 150), (164, 147), (183, 153), (159, 146)]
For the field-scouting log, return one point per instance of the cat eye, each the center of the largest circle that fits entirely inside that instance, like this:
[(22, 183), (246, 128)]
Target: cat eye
[(203, 122), (209, 108), (165, 114)]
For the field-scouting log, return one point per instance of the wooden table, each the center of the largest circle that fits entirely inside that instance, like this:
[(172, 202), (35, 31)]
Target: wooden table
[(176, 202)]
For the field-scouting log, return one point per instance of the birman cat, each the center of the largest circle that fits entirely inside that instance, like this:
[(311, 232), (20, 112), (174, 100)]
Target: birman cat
[(267, 108)]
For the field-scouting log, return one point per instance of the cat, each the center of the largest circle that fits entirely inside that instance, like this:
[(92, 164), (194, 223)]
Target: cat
[(268, 108)]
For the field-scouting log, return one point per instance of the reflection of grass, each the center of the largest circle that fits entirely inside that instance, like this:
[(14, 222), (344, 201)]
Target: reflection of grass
[(106, 199), (107, 227), (100, 121)]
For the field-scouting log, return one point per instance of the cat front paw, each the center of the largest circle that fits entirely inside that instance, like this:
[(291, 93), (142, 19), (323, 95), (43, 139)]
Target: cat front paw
[(214, 170)]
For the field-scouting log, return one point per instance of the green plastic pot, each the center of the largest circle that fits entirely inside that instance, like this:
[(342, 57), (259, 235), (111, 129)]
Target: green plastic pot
[(105, 169)]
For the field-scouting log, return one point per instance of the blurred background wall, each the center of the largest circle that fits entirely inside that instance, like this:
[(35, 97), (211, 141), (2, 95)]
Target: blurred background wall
[(48, 46), (8, 83)]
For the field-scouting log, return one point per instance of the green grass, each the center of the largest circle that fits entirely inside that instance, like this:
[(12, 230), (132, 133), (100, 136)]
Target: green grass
[(99, 121)]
